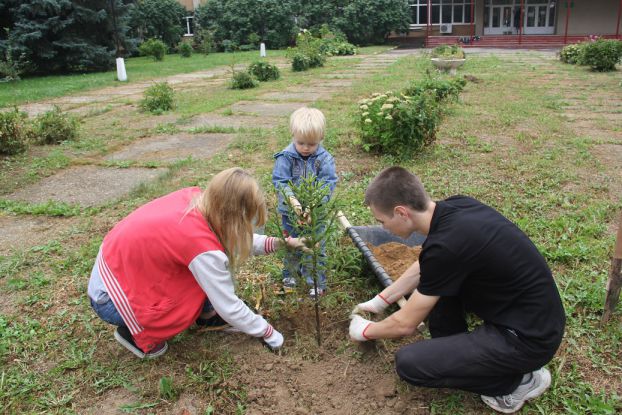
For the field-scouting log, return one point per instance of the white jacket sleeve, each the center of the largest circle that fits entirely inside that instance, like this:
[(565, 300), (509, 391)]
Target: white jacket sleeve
[(263, 244), (210, 269)]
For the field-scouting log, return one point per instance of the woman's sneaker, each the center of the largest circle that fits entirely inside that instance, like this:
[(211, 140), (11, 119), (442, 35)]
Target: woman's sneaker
[(320, 292), (530, 389), (122, 335)]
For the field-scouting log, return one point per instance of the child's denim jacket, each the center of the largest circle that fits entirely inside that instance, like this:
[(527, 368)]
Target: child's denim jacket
[(290, 166)]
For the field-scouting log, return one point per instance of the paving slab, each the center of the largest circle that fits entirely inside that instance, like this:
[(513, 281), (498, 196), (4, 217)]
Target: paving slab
[(174, 147), (35, 109), (306, 96), (269, 109), (232, 121), (18, 233), (333, 83), (86, 186)]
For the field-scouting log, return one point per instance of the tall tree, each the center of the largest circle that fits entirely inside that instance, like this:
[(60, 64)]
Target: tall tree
[(59, 36), (160, 19)]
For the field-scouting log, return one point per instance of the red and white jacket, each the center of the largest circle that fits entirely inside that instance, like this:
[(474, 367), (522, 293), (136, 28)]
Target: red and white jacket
[(161, 262)]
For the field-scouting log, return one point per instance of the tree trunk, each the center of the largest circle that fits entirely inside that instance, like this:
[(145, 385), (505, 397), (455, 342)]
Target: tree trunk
[(615, 278)]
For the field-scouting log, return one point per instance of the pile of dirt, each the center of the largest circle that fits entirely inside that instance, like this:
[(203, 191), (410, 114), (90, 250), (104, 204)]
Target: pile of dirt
[(395, 257)]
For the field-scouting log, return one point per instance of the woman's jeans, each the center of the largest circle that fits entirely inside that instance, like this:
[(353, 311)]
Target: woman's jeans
[(108, 312)]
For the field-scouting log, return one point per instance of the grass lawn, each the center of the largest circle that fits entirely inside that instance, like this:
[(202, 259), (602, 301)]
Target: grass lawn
[(534, 138)]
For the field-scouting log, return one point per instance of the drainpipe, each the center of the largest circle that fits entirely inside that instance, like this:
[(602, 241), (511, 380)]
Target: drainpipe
[(567, 16), (427, 26), (520, 21), (618, 25), (473, 19)]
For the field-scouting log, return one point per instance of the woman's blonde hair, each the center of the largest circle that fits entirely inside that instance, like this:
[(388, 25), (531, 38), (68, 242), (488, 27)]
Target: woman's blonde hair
[(232, 204)]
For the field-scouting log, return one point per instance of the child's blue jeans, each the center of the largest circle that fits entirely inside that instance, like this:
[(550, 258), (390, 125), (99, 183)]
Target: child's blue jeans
[(109, 313), (300, 263)]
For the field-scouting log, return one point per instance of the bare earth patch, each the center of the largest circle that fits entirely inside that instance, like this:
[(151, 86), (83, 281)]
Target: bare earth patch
[(610, 155), (23, 232), (86, 186)]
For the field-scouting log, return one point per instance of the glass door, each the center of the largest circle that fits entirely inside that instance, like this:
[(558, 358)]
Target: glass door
[(498, 17), (539, 17)]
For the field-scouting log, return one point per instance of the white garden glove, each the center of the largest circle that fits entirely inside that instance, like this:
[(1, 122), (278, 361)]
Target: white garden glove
[(358, 325), (376, 305), (297, 243), (273, 339)]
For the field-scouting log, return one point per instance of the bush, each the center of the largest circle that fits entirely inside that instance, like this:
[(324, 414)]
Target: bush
[(204, 41), (602, 55), (300, 62), (371, 21), (448, 52), (246, 22), (54, 127), (334, 43), (185, 50), (160, 19), (264, 71), (398, 124), (572, 53), (14, 132), (158, 98), (243, 80), (229, 45), (439, 88), (153, 47)]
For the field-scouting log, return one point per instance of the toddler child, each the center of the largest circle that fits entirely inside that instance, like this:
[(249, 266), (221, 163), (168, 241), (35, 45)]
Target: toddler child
[(304, 157)]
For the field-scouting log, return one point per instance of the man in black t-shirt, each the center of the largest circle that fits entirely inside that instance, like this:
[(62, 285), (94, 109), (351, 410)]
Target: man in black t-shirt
[(473, 260)]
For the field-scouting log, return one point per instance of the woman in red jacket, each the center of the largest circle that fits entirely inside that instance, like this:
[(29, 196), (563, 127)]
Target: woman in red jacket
[(169, 264)]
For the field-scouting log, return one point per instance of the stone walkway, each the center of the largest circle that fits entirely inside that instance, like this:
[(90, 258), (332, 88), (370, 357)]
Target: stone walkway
[(94, 185)]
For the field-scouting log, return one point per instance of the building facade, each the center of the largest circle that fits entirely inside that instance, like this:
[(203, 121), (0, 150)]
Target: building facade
[(546, 22)]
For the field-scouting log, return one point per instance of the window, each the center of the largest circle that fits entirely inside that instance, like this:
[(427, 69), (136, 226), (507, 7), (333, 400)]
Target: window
[(189, 26), (445, 11)]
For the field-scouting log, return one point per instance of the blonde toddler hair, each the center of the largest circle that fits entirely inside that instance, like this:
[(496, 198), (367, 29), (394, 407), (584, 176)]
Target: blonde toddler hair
[(232, 204), (308, 124)]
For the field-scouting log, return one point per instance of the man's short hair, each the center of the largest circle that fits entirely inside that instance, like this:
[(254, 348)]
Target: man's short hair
[(308, 124), (395, 186)]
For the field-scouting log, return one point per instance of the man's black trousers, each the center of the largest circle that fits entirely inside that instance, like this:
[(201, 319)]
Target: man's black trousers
[(490, 360)]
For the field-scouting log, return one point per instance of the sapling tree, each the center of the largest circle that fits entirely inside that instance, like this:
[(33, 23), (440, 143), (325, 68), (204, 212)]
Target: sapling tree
[(315, 221)]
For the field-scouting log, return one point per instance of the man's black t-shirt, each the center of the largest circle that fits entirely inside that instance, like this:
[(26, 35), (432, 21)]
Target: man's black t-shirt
[(475, 253)]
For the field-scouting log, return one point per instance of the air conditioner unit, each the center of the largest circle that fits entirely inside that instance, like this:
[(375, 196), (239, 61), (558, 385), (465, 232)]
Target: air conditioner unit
[(445, 28)]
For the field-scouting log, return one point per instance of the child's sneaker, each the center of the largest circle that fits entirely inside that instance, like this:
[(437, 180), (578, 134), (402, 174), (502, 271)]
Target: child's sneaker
[(122, 335), (531, 388), (320, 291)]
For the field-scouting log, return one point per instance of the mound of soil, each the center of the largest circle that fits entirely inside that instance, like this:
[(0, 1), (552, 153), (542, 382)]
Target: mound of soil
[(395, 257)]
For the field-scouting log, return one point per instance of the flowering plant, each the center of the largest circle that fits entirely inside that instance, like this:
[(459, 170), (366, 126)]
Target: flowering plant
[(398, 124)]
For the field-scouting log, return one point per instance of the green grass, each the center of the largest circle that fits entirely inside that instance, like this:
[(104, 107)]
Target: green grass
[(505, 142)]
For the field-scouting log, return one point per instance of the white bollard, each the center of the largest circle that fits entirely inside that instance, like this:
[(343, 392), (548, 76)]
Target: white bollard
[(121, 75), (262, 50)]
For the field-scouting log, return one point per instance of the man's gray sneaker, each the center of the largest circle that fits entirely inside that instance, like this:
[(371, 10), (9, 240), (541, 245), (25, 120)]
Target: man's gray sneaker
[(508, 404)]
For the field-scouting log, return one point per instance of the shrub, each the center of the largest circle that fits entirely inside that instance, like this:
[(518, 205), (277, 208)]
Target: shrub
[(229, 45), (158, 98), (185, 50), (448, 52), (371, 21), (602, 55), (54, 127), (440, 89), (204, 41), (14, 132), (243, 80), (300, 62), (154, 48), (334, 43), (398, 124), (572, 53), (264, 71)]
